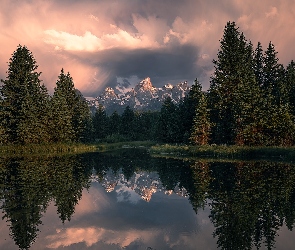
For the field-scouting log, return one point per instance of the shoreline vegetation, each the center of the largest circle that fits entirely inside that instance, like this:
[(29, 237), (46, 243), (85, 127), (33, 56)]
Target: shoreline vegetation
[(270, 153)]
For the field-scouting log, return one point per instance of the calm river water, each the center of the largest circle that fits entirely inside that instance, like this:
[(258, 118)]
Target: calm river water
[(130, 200)]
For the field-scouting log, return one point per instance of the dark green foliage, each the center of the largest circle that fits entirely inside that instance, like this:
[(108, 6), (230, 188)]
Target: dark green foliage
[(100, 123), (200, 132), (187, 110), (28, 185), (73, 115), (127, 121), (233, 91), (168, 124), (28, 115), (290, 85), (25, 101)]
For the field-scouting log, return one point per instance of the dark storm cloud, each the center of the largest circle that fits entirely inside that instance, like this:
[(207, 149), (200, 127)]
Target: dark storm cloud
[(160, 65), (173, 64), (168, 40)]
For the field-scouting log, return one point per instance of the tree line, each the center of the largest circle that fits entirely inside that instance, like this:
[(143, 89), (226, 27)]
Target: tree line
[(28, 114), (251, 101)]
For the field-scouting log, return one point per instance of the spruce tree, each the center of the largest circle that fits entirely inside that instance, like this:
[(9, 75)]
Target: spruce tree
[(233, 91), (126, 126), (200, 131), (290, 85), (74, 107), (187, 109), (259, 64), (25, 100), (168, 124), (100, 123)]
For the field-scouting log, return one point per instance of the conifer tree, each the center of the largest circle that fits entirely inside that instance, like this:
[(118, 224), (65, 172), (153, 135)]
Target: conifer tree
[(233, 91), (100, 123), (74, 107), (168, 124), (25, 100), (274, 73), (187, 109), (259, 64), (200, 131), (114, 123), (126, 125), (290, 85)]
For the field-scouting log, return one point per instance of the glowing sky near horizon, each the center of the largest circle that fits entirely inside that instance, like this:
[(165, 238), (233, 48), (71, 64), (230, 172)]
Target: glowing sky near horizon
[(101, 42)]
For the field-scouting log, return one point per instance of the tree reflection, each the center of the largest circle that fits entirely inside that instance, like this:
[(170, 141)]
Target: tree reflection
[(29, 184), (249, 201)]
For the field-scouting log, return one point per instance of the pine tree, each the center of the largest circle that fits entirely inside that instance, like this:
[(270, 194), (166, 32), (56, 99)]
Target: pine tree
[(25, 100), (187, 109), (168, 124), (290, 84), (200, 131), (259, 64), (72, 106), (126, 126), (100, 123), (233, 91), (274, 73)]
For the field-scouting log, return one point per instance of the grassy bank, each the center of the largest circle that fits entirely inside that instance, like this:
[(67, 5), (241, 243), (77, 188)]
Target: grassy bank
[(54, 148), (119, 145), (57, 148), (232, 152)]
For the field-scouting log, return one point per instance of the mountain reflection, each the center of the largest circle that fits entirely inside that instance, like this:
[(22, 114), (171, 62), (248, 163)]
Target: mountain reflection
[(249, 201)]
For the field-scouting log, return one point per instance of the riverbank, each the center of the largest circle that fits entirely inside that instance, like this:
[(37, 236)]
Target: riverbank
[(222, 151), (51, 148), (154, 148)]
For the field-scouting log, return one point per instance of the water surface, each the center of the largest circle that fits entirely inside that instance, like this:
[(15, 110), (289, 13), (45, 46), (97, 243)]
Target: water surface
[(130, 200)]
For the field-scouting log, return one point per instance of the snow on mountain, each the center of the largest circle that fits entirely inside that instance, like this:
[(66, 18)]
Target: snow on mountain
[(144, 96), (142, 184)]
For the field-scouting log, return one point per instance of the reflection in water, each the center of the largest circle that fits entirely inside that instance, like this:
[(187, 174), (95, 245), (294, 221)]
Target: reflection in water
[(29, 184), (249, 202)]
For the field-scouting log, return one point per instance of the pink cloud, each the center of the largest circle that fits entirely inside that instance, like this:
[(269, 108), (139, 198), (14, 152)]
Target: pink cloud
[(70, 33)]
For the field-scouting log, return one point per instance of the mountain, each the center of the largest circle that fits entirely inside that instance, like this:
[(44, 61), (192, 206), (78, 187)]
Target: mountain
[(143, 184), (144, 96)]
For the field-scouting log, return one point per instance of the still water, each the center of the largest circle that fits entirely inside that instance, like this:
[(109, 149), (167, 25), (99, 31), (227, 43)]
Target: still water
[(130, 200)]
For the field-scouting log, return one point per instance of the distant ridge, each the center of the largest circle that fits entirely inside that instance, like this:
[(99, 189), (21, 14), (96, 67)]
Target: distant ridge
[(144, 96)]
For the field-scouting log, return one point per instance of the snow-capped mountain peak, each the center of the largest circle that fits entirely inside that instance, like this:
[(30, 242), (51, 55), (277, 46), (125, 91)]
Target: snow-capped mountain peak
[(144, 96)]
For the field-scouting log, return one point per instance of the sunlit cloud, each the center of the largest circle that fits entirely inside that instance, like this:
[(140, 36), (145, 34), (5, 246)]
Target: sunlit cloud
[(92, 235), (71, 34), (273, 12)]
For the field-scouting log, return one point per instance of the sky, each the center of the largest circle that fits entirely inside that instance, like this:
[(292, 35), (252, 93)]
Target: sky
[(106, 42)]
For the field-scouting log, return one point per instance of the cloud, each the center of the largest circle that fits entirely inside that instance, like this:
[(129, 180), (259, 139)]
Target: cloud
[(139, 38), (92, 235)]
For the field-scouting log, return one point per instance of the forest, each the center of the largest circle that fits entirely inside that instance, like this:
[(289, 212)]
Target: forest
[(250, 101)]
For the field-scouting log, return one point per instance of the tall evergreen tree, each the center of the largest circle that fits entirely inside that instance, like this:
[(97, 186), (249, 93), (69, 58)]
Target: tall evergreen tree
[(233, 91), (274, 74), (25, 100), (187, 109), (259, 64), (290, 85), (100, 121), (127, 120), (74, 107), (200, 131), (168, 124)]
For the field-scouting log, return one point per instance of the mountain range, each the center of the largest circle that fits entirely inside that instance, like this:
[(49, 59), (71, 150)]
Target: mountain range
[(144, 96), (142, 184)]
